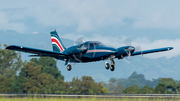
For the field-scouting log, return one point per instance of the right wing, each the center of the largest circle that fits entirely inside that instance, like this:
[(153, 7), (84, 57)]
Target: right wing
[(152, 51), (38, 52)]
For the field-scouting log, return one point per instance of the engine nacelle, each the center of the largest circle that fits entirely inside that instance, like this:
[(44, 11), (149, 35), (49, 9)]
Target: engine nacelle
[(124, 51)]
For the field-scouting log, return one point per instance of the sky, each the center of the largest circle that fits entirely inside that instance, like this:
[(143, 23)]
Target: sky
[(151, 24)]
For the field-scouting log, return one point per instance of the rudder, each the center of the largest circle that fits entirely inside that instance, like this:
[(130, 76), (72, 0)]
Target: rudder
[(57, 44)]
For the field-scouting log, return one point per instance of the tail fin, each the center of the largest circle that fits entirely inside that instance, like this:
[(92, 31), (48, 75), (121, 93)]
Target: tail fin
[(57, 44)]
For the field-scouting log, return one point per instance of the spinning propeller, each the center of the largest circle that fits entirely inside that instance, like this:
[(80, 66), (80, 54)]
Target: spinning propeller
[(79, 40), (127, 41)]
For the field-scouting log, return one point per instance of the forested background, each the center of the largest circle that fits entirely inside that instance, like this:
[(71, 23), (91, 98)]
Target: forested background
[(41, 75)]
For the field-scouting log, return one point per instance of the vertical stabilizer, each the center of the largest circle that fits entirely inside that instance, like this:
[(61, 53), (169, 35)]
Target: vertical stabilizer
[(57, 44)]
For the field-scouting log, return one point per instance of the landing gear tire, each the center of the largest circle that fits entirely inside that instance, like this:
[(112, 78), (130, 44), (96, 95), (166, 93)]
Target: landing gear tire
[(112, 68), (69, 67), (107, 65)]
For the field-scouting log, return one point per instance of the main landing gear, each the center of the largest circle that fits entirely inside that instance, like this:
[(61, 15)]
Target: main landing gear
[(112, 68), (107, 65), (69, 67), (112, 65)]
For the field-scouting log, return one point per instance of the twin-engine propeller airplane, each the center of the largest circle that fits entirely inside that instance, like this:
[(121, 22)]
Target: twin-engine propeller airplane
[(85, 52)]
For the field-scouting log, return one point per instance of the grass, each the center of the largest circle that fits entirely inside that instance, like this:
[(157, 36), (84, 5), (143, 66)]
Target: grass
[(89, 99)]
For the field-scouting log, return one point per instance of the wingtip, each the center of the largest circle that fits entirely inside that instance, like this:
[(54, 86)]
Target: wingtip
[(170, 48), (11, 47)]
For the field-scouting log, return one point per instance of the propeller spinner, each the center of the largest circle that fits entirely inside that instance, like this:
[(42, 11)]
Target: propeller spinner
[(127, 41)]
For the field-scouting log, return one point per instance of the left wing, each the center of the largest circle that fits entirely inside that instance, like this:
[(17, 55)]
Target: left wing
[(151, 51), (38, 52)]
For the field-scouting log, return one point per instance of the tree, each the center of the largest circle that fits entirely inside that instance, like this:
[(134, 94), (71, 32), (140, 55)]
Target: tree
[(17, 84), (10, 62), (59, 87), (137, 79), (85, 85), (169, 83), (146, 90), (36, 80), (5, 84), (131, 90), (105, 90), (161, 89), (75, 85), (39, 76), (115, 86), (112, 80), (48, 66), (178, 87)]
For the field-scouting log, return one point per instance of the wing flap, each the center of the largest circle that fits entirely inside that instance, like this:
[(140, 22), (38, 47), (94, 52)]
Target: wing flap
[(152, 51), (39, 52)]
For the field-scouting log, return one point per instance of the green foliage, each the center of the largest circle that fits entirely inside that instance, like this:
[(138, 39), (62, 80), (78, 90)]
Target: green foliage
[(36, 76), (178, 87), (105, 90), (10, 62), (136, 90), (165, 86), (36, 80), (48, 66), (132, 90), (94, 98), (139, 80), (161, 89), (5, 84), (75, 85), (114, 86), (32, 80), (60, 87), (117, 85), (17, 84), (169, 83), (85, 85), (146, 90)]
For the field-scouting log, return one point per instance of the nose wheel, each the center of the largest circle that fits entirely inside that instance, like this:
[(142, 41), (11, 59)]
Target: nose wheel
[(69, 67)]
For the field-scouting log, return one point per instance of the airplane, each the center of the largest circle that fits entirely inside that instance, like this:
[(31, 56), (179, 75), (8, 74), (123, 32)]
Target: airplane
[(89, 51)]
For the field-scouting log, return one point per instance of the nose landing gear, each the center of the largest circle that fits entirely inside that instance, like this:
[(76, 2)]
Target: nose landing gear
[(69, 67)]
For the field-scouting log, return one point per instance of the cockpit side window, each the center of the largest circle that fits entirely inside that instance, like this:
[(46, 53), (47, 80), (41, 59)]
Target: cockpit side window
[(99, 44), (91, 45)]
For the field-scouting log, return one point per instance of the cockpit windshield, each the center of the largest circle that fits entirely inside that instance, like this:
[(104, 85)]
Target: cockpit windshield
[(95, 43), (99, 44)]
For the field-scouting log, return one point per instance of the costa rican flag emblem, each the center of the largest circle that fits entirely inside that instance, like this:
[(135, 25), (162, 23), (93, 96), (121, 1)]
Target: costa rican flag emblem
[(57, 43)]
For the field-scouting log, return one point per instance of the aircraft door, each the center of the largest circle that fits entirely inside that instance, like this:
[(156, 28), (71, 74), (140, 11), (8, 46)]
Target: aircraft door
[(92, 49)]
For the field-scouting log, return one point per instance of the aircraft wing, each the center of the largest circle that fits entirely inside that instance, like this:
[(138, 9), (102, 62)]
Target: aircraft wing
[(38, 52), (151, 51)]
